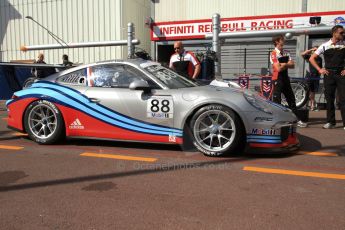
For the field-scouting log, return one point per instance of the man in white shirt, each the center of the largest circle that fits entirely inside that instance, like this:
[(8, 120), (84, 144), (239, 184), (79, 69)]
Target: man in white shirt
[(334, 73), (184, 62)]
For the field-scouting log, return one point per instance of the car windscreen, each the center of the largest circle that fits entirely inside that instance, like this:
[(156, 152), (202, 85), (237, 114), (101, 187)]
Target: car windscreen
[(170, 78)]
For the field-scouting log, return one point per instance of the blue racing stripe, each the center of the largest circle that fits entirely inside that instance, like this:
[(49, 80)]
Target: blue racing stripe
[(76, 95), (8, 102), (264, 141), (263, 137)]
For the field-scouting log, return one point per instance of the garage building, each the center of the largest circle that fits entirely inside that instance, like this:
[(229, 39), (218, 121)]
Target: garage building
[(103, 20)]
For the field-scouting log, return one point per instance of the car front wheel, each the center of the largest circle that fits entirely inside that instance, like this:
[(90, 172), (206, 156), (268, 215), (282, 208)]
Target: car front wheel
[(217, 130)]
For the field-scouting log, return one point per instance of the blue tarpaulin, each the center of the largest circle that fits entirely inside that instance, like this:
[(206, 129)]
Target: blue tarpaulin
[(11, 79)]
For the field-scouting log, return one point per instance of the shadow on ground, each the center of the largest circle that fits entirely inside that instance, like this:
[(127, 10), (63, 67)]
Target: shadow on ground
[(319, 121), (312, 145), (100, 177)]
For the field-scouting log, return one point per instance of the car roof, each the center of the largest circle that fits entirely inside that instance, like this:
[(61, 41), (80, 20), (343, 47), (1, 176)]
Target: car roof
[(134, 61)]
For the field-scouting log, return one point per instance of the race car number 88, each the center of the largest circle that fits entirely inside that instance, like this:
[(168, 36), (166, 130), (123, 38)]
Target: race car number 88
[(156, 107), (160, 107)]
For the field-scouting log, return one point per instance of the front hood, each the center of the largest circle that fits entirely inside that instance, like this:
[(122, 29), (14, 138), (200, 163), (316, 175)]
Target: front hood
[(211, 89), (193, 93), (232, 97)]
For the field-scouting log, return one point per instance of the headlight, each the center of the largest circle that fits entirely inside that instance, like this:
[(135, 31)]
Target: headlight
[(258, 102), (281, 124)]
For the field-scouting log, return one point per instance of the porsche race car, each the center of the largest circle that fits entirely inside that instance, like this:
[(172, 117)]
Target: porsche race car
[(143, 101)]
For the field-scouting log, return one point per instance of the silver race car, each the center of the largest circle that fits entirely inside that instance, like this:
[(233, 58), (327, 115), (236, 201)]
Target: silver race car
[(139, 100)]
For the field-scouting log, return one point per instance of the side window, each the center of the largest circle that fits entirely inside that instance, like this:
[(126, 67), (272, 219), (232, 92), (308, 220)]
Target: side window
[(75, 78), (117, 76)]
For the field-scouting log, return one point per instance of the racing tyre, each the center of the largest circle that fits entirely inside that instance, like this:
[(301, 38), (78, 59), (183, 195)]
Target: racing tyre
[(301, 92), (28, 82), (217, 130), (43, 122)]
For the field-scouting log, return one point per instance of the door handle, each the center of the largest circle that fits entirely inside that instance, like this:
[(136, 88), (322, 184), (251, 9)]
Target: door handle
[(95, 100)]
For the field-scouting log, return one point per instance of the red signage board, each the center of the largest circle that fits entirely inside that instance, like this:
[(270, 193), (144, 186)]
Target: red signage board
[(197, 29)]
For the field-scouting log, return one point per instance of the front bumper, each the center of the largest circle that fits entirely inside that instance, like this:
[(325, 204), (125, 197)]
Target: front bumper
[(284, 137)]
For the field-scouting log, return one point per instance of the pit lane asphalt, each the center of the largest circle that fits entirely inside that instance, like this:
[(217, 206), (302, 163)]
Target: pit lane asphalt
[(65, 187)]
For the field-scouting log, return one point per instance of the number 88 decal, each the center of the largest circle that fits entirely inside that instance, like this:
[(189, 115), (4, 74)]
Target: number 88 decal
[(164, 106)]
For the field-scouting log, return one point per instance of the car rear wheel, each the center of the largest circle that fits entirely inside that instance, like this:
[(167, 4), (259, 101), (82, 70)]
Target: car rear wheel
[(301, 92), (28, 82), (217, 130), (43, 122)]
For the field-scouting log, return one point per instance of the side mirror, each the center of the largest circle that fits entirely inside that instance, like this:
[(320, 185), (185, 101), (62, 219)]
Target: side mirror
[(140, 85)]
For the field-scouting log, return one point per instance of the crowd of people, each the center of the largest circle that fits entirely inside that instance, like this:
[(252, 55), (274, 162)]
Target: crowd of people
[(333, 72)]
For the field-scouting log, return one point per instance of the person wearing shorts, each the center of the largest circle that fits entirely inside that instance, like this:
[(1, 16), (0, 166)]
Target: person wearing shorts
[(312, 77)]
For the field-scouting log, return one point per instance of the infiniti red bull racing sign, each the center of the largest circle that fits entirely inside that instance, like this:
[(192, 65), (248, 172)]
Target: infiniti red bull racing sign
[(194, 29)]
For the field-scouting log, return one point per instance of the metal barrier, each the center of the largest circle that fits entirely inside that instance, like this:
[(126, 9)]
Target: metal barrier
[(255, 84), (130, 42)]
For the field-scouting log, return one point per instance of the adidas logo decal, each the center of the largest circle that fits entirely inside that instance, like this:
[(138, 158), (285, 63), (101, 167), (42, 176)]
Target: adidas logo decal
[(76, 124)]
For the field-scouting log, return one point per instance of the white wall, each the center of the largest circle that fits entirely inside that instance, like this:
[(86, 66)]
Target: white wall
[(178, 10), (71, 20), (322, 5)]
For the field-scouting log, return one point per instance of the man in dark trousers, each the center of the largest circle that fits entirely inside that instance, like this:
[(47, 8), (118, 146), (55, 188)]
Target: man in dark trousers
[(281, 61), (184, 62), (334, 74)]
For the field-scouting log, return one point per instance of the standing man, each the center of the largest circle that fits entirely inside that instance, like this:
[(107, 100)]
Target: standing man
[(334, 74), (281, 61), (65, 61), (313, 77), (184, 62), (39, 72)]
